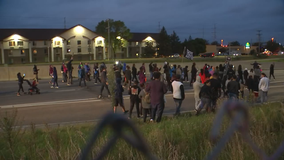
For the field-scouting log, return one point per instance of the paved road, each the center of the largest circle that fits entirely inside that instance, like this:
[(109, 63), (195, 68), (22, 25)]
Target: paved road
[(71, 104)]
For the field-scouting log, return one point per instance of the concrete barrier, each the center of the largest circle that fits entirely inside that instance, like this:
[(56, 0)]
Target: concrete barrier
[(9, 73)]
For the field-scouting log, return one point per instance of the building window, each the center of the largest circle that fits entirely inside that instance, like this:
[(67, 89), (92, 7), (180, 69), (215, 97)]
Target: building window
[(12, 43), (57, 43), (68, 50), (20, 43), (34, 43), (137, 43), (79, 42), (35, 51), (45, 51), (11, 53), (89, 41), (68, 42), (79, 50), (89, 49), (99, 42), (44, 43), (22, 52)]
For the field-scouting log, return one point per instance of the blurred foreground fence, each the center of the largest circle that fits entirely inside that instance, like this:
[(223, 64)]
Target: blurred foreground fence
[(237, 112)]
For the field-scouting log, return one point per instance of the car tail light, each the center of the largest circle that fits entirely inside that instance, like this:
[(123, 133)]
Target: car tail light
[(213, 54)]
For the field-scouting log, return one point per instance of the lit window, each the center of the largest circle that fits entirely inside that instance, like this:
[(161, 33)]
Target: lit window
[(34, 43), (20, 43), (68, 42), (89, 41), (99, 42), (79, 50), (22, 51), (79, 42), (68, 50), (12, 43), (137, 43), (57, 43), (35, 51)]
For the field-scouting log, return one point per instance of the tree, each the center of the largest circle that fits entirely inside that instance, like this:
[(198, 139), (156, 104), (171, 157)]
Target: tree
[(272, 46), (215, 43), (200, 45), (149, 50), (117, 28), (222, 50), (175, 43), (235, 43), (164, 43)]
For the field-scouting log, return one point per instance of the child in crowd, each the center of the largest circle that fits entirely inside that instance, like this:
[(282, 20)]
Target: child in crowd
[(145, 102)]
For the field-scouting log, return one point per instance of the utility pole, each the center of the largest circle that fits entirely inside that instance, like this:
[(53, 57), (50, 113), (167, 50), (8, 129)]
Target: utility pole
[(108, 32), (64, 23), (259, 39)]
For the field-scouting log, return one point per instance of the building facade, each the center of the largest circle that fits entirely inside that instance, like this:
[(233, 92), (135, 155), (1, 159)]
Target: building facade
[(50, 45), (236, 49)]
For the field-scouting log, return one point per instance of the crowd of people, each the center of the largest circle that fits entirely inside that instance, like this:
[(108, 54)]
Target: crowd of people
[(148, 96)]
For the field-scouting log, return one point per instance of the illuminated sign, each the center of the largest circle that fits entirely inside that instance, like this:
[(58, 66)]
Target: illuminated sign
[(247, 45)]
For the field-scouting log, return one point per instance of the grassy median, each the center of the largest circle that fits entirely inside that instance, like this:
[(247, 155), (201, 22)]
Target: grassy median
[(185, 137)]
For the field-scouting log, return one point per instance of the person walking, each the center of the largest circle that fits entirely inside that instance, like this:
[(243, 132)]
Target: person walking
[(69, 68), (82, 75), (216, 86), (20, 83), (118, 99), (263, 87), (64, 72), (202, 76), (142, 77), (134, 73), (104, 82), (145, 102), (205, 96), (246, 76), (87, 72), (240, 73), (271, 73), (127, 74), (196, 90), (193, 73), (157, 90), (35, 70), (257, 73), (50, 74), (151, 70), (233, 88), (54, 78), (96, 73), (178, 94), (134, 91), (185, 71)]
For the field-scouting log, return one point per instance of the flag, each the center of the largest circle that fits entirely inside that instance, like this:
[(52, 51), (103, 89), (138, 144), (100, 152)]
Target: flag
[(189, 54)]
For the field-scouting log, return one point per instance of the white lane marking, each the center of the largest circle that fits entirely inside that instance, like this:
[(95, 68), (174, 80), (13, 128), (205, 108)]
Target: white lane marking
[(67, 90), (50, 103)]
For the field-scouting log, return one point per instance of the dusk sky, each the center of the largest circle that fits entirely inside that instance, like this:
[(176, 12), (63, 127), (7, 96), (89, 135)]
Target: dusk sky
[(235, 20)]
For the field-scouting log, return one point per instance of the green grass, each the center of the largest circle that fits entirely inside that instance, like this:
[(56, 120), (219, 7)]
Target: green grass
[(171, 60), (184, 137)]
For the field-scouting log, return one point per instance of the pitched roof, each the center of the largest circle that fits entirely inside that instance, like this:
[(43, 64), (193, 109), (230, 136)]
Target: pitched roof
[(32, 34), (138, 37)]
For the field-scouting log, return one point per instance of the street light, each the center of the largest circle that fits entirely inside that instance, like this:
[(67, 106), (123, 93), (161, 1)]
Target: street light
[(118, 37), (272, 39)]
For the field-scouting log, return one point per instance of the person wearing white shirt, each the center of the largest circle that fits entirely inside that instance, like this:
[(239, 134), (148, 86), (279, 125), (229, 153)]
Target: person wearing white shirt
[(263, 87)]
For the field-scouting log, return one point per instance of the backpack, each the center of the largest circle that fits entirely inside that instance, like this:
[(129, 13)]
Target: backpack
[(147, 98)]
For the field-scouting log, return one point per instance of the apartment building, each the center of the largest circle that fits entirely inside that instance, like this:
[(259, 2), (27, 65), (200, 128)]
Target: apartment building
[(50, 45)]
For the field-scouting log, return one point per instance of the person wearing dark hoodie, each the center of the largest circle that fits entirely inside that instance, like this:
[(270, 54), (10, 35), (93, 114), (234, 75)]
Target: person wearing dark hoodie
[(96, 73), (118, 99), (82, 75), (69, 68), (54, 78), (127, 74), (20, 83), (134, 73), (193, 73), (134, 91), (205, 96), (233, 88), (104, 82)]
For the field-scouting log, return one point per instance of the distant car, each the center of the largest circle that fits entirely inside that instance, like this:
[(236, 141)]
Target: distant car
[(176, 55), (207, 55)]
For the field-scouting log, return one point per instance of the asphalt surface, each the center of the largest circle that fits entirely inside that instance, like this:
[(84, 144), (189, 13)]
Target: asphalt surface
[(74, 104)]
